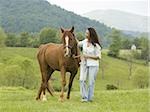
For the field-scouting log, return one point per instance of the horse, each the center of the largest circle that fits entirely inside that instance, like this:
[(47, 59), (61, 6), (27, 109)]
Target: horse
[(58, 57)]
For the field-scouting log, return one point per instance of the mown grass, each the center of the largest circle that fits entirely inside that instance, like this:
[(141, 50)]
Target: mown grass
[(23, 100)]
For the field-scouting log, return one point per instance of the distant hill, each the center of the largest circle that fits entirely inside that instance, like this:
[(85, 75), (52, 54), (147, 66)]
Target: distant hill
[(32, 15), (120, 20)]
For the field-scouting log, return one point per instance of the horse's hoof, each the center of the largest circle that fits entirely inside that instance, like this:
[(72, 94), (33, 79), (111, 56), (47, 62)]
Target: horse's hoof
[(44, 98), (37, 98), (68, 97)]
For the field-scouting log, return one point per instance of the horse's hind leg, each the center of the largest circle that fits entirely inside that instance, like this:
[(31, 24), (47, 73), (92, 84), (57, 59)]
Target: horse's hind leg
[(39, 93), (50, 71), (43, 85), (44, 73)]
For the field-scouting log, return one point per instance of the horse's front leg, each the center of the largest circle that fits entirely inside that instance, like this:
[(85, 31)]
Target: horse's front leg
[(70, 83), (63, 83)]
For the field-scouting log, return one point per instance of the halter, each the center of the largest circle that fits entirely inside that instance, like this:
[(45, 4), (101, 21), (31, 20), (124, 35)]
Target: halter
[(70, 47)]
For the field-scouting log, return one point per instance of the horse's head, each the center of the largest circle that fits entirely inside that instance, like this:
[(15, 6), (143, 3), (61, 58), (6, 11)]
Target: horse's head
[(69, 41)]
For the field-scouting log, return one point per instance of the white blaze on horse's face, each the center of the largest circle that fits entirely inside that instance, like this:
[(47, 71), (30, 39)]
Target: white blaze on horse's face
[(67, 46)]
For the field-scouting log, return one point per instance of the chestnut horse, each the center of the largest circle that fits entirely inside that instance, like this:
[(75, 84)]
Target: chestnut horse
[(58, 57)]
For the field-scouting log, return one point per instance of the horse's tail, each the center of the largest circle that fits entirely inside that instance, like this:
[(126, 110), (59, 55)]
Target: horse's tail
[(41, 60)]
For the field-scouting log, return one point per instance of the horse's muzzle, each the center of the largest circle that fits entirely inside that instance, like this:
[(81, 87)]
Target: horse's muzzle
[(67, 55), (67, 52)]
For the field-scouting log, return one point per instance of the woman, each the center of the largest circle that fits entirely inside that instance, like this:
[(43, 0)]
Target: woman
[(89, 63)]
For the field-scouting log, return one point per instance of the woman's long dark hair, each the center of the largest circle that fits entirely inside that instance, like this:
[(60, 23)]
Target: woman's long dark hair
[(93, 36)]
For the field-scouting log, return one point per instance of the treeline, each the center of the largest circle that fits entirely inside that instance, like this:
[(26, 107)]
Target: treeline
[(118, 42), (25, 39)]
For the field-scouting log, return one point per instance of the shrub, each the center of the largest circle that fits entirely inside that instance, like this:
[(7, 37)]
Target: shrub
[(115, 46), (111, 87), (141, 79), (12, 76), (19, 71), (136, 54)]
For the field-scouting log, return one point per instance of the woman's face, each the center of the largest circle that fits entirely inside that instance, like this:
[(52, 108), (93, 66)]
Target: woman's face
[(87, 33)]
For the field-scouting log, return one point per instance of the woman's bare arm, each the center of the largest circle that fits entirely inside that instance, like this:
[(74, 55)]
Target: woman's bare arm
[(78, 56), (92, 57), (87, 56)]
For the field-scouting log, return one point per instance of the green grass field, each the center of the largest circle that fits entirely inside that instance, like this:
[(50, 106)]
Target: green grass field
[(128, 98), (23, 100), (116, 71)]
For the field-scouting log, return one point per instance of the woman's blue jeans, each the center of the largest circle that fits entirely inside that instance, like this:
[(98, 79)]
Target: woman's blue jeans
[(87, 87)]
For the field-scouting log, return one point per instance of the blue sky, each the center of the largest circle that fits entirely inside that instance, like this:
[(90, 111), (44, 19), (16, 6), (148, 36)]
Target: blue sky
[(82, 6)]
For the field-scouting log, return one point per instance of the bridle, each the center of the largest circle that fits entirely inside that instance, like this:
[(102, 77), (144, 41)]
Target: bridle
[(68, 46)]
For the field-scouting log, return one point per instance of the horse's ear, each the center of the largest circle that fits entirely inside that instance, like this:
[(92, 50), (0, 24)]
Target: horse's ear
[(62, 30), (72, 29)]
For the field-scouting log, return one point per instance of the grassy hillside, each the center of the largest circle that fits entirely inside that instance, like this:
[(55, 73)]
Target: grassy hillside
[(18, 99), (116, 71), (22, 100)]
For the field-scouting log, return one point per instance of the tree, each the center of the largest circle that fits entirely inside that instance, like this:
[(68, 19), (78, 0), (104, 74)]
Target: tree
[(80, 36), (24, 39), (116, 43), (34, 40), (137, 42), (11, 40), (130, 61), (2, 37), (126, 43), (104, 66), (145, 48), (48, 35)]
